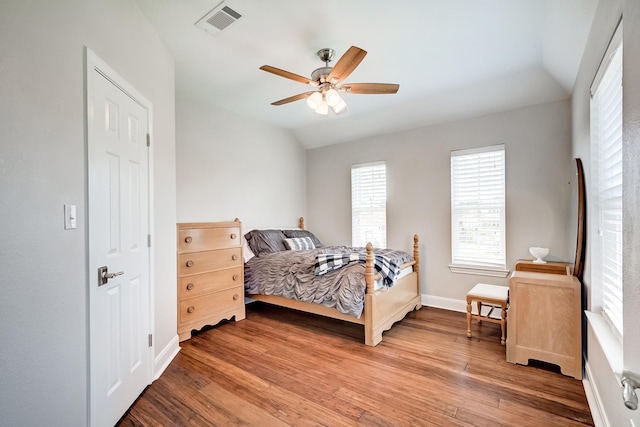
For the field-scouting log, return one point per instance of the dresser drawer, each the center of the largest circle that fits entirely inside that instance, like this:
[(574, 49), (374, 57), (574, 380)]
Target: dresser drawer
[(212, 305), (204, 239), (198, 284), (201, 262)]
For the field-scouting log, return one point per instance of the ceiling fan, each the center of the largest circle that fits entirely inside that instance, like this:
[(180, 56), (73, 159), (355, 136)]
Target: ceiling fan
[(328, 82)]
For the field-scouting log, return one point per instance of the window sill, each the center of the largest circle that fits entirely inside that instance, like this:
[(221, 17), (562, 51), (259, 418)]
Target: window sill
[(478, 271), (609, 342)]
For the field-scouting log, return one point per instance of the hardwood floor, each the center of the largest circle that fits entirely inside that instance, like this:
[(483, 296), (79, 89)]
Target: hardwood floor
[(279, 367)]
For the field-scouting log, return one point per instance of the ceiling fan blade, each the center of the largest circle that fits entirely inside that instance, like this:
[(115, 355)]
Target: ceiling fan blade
[(373, 88), (293, 98), (346, 64), (287, 74)]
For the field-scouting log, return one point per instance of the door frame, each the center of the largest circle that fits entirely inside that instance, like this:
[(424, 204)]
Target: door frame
[(94, 63)]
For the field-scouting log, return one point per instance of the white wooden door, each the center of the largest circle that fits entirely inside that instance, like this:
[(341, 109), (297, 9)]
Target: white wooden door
[(118, 215)]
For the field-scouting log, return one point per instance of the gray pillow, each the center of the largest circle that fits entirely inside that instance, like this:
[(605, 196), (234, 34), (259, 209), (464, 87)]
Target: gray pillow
[(266, 241)]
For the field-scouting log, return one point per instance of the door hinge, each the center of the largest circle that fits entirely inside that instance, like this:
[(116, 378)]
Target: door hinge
[(150, 340), (148, 140), (148, 240)]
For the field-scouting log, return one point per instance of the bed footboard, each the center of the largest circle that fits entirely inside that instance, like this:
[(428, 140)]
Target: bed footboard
[(385, 307)]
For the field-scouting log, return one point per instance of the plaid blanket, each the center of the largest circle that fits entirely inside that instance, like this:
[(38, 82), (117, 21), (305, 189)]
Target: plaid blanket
[(383, 265)]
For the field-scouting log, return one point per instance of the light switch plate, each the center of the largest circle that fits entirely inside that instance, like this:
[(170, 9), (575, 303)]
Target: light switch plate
[(70, 219)]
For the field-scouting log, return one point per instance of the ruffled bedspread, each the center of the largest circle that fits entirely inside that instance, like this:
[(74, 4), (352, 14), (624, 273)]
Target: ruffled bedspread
[(291, 274)]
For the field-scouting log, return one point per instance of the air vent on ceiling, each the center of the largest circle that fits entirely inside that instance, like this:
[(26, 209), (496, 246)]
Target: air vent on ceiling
[(218, 19)]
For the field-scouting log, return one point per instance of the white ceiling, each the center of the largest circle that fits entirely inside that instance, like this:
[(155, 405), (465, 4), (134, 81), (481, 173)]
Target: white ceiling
[(452, 58)]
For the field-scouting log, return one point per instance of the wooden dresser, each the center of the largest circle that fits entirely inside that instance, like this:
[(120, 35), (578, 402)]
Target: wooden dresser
[(544, 319), (210, 275)]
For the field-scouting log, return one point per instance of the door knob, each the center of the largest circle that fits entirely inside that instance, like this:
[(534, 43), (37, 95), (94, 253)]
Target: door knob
[(104, 275)]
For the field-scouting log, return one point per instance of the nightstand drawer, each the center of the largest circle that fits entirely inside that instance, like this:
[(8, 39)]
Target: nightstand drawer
[(205, 239), (214, 305), (200, 262), (198, 284)]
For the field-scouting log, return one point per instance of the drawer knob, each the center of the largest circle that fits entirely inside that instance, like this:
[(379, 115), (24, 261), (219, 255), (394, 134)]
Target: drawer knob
[(234, 257), (189, 286), (191, 309), (188, 239), (235, 297), (189, 263), (235, 277), (233, 235)]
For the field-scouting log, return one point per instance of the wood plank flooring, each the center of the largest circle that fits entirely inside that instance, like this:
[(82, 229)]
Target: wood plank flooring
[(280, 367)]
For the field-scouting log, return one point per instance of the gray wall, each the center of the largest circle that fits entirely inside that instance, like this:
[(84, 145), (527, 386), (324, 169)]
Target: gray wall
[(602, 363), (43, 277), (538, 170), (232, 167)]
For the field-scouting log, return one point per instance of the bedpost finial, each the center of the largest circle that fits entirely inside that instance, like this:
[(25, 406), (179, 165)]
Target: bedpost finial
[(415, 238), (236, 220), (369, 247), (301, 223)]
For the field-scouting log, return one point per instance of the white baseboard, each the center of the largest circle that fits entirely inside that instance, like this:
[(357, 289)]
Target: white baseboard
[(454, 305), (165, 357), (444, 303), (593, 398)]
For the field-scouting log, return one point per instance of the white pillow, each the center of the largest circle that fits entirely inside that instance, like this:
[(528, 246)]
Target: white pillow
[(247, 253), (299, 243)]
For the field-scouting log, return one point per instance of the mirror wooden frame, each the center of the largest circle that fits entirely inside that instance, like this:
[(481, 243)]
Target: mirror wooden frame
[(578, 267)]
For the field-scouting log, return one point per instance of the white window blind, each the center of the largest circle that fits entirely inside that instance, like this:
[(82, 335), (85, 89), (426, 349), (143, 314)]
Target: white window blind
[(606, 156), (369, 204), (478, 207)]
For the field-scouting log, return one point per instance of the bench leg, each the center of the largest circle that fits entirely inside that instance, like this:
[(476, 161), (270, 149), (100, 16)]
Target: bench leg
[(468, 318), (503, 323)]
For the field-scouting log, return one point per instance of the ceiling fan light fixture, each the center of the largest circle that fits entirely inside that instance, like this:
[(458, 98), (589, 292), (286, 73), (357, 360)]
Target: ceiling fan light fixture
[(323, 108), (314, 100), (332, 97), (339, 108)]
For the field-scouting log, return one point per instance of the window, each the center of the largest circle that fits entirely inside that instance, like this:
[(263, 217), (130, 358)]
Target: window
[(478, 211), (369, 204), (606, 182)]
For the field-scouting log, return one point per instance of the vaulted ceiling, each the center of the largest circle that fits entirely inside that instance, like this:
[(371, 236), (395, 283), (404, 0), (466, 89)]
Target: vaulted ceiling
[(453, 59)]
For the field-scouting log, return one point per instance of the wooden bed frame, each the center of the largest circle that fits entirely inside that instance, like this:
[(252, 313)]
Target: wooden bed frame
[(382, 308)]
